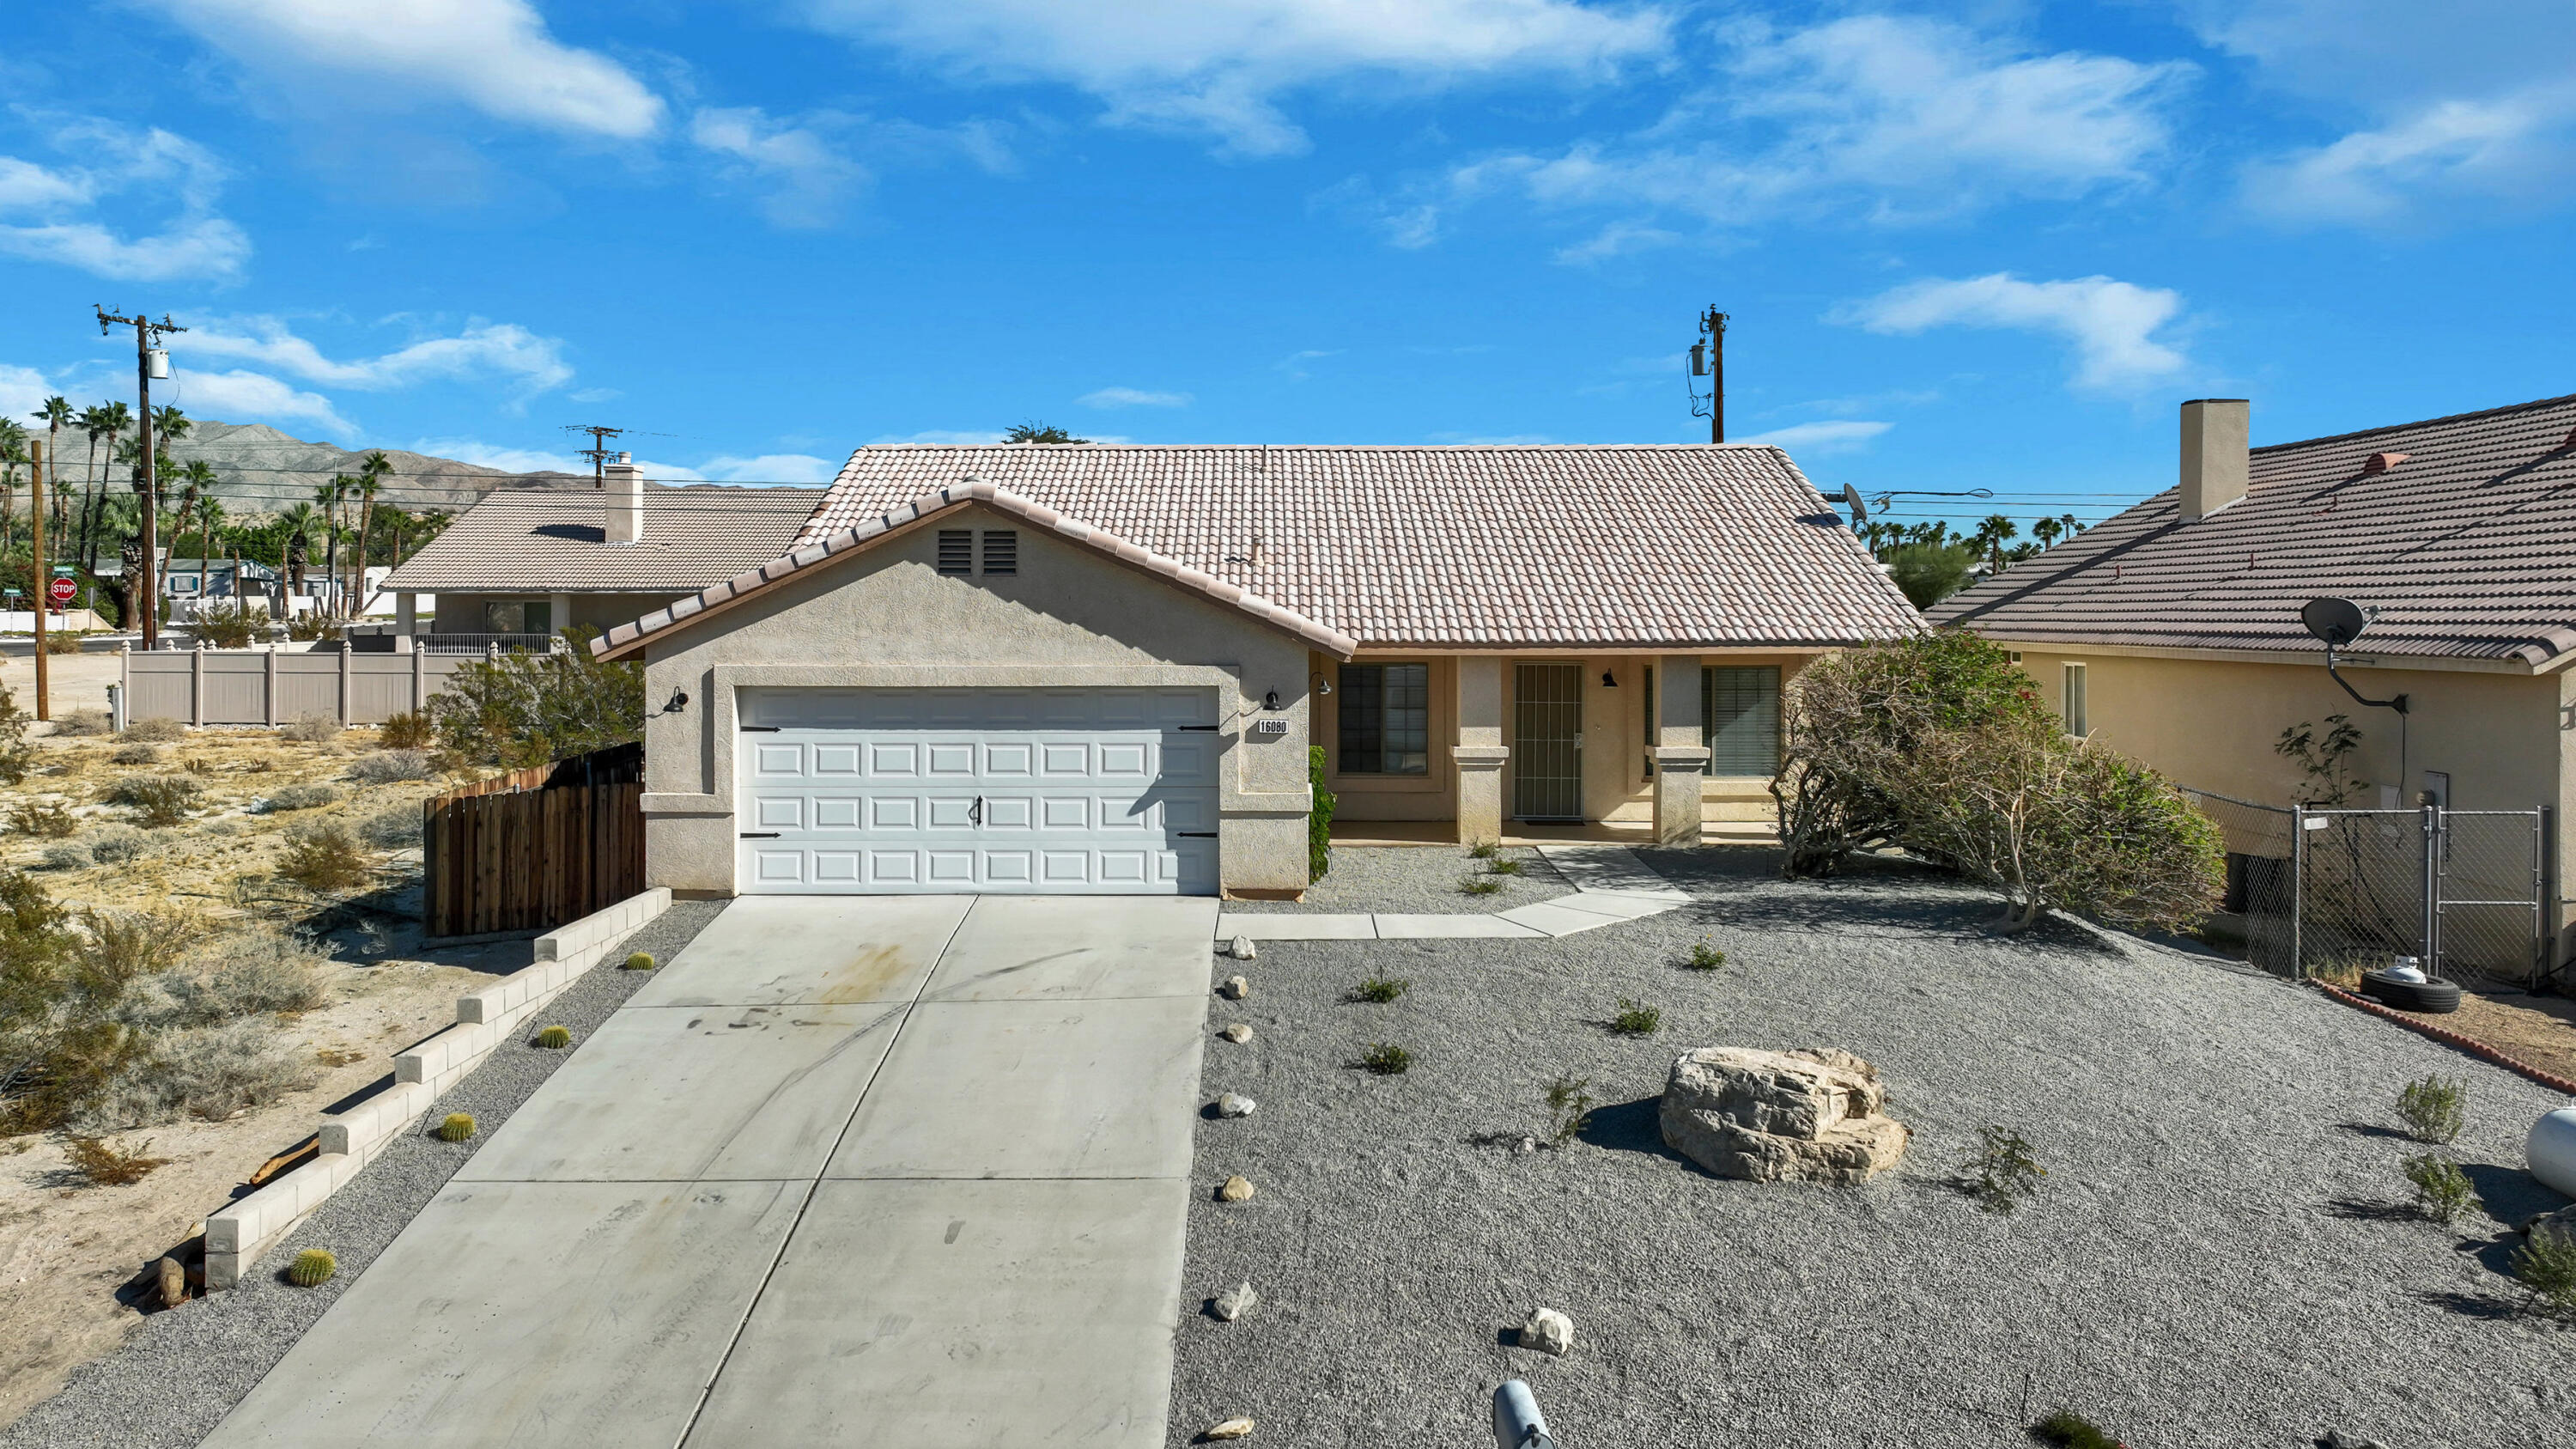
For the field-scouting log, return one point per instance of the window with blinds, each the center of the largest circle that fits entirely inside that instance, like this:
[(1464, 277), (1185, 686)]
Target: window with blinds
[(1385, 719), (1740, 714), (2078, 711), (957, 550)]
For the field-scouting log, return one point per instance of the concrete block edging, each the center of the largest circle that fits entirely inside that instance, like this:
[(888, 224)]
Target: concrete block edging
[(248, 1226)]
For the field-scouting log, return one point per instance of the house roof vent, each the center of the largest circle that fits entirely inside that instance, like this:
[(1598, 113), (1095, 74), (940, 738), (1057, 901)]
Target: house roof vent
[(2382, 462)]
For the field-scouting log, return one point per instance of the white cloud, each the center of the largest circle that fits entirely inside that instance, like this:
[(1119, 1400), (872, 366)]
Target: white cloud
[(238, 396), (1896, 118), (2517, 152), (511, 460), (1618, 239), (771, 468), (495, 56), (22, 389), (1132, 397), (806, 180), (2111, 324), (482, 350), (1842, 435), (1220, 66), (53, 214)]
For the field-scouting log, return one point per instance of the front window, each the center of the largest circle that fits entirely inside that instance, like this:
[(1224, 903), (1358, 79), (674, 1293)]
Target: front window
[(518, 616), (1386, 719), (1740, 714), (2078, 711)]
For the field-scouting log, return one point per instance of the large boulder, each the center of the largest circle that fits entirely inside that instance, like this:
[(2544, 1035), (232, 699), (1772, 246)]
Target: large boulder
[(1813, 1116)]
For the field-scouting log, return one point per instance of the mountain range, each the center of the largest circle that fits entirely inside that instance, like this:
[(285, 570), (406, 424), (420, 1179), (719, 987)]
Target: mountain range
[(261, 470)]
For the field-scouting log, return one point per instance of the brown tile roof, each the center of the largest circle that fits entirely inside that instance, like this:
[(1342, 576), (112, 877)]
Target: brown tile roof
[(544, 540), (2467, 546), (625, 637), (1681, 546)]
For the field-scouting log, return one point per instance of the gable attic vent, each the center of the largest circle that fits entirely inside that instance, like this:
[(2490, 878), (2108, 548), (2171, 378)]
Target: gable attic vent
[(1001, 550), (957, 550), (2382, 462)]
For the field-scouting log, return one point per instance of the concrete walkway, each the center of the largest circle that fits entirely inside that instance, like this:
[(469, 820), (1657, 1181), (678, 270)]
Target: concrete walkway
[(905, 1171), (1610, 885)]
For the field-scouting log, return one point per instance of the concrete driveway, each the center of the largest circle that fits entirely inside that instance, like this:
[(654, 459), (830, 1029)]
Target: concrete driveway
[(904, 1172)]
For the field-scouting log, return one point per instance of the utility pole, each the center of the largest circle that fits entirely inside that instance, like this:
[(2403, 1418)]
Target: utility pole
[(43, 597), (149, 362), (598, 452), (1708, 360)]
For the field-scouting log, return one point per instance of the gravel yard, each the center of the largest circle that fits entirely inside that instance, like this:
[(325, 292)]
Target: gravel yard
[(2217, 1257), (182, 1370), (1421, 879)]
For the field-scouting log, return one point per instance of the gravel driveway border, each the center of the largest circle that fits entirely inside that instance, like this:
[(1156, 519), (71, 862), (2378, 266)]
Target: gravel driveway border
[(1418, 879)]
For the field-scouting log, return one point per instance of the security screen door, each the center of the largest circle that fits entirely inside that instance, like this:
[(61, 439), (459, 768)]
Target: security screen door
[(1547, 741)]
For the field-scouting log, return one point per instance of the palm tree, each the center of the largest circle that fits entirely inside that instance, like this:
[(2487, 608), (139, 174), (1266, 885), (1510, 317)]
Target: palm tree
[(301, 521), (2046, 531), (371, 472), (56, 414), (2072, 524), (13, 454), (331, 495), (197, 479), (1990, 536)]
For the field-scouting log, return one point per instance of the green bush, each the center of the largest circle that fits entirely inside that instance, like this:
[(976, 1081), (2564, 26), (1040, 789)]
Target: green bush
[(2067, 1429), (312, 1268), (1636, 1019), (2546, 1267), (2434, 1109), (157, 799), (1379, 989), (527, 708), (2442, 1191), (555, 1038), (458, 1127), (1927, 573), (228, 626), (324, 858), (1569, 1107), (45, 819), (1319, 822), (1480, 885), (408, 731), (640, 961), (1384, 1060), (2005, 1173), (1501, 866), (1485, 849), (1703, 957)]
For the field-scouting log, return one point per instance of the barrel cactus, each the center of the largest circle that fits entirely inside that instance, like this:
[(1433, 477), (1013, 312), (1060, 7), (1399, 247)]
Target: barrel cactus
[(312, 1268), (640, 961), (457, 1127), (555, 1038)]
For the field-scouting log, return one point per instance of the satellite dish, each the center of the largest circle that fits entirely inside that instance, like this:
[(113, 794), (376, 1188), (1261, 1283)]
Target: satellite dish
[(1859, 509), (2336, 621)]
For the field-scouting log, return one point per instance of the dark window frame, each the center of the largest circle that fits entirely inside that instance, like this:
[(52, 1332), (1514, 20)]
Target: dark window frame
[(1739, 719), (1383, 721)]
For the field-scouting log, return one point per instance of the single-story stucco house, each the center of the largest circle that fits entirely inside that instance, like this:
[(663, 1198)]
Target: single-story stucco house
[(524, 563), (1092, 668), (2172, 630)]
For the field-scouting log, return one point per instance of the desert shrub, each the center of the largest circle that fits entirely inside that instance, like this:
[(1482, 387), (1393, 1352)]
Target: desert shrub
[(114, 844), (83, 722), (312, 1268), (228, 626), (128, 945), (1500, 866), (102, 1163), (1703, 957), (305, 628), (297, 797), (58, 1041), (204, 1072), (640, 961), (1939, 746), (1484, 850), (311, 729), (526, 708), (1478, 885), (2546, 1267), (323, 857), (1319, 823), (154, 731), (2005, 1173), (137, 753), (555, 1038), (157, 799), (17, 757), (62, 641), (2442, 1191), (410, 730), (2067, 1429), (1635, 1018), (2434, 1109), (1926, 573), (1379, 989), (390, 767), (1385, 1060), (241, 974), (45, 819), (392, 828), (64, 855), (456, 1127), (2343, 972), (1569, 1107)]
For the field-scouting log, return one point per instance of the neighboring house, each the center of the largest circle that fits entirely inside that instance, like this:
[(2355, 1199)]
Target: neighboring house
[(2172, 631), (1098, 668), (528, 562)]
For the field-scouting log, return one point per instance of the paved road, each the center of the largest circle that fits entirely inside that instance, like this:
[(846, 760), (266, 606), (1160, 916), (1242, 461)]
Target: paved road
[(903, 1172)]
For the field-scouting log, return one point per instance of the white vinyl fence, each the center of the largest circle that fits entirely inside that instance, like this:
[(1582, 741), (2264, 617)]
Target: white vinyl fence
[(278, 686)]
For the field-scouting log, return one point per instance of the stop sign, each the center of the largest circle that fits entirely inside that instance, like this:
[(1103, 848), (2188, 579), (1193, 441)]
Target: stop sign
[(62, 590)]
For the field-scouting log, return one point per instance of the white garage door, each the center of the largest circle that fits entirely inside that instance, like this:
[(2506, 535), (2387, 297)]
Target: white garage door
[(863, 791)]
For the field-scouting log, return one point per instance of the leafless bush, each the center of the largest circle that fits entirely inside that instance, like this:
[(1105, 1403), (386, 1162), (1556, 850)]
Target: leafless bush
[(395, 827), (313, 729), (64, 855), (155, 730), (297, 797), (83, 722), (390, 767), (125, 945), (114, 844), (135, 754), (102, 1163), (204, 1072), (325, 858), (244, 973)]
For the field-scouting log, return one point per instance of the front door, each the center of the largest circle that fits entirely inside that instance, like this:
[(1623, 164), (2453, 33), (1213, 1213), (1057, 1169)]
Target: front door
[(1547, 741)]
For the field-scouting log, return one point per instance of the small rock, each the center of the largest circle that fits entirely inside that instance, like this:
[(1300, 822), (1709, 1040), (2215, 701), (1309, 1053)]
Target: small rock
[(2338, 1439), (1235, 1302), (1231, 1105), (1525, 1146), (1235, 988), (1240, 948), (1548, 1331), (1236, 1189), (1238, 1033), (1230, 1429)]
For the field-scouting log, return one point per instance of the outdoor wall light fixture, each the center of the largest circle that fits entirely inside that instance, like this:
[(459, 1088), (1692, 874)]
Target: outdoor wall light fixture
[(1322, 685), (679, 701), (1270, 700), (1609, 680)]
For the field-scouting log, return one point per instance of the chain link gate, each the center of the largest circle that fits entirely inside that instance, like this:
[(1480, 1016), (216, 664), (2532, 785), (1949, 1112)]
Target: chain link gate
[(2466, 890)]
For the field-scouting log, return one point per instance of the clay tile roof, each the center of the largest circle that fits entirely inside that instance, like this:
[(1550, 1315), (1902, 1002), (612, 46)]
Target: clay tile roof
[(2464, 539), (1550, 547), (547, 540)]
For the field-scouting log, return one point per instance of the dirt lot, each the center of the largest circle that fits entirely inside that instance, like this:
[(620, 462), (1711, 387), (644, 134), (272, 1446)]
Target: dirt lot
[(68, 1251)]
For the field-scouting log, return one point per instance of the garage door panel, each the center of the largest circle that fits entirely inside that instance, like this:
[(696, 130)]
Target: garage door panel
[(893, 759), (1009, 812), (778, 759), (1064, 812)]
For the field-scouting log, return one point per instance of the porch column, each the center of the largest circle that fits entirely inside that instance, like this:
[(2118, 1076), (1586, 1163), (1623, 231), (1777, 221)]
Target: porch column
[(1681, 760), (406, 613), (1479, 752)]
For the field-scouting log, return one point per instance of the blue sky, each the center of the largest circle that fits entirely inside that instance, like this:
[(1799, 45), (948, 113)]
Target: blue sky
[(1988, 245)]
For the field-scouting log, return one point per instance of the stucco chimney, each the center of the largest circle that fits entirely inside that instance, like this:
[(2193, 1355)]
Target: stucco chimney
[(2215, 467), (625, 501)]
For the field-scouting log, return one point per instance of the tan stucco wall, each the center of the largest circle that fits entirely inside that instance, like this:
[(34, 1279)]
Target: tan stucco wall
[(885, 618)]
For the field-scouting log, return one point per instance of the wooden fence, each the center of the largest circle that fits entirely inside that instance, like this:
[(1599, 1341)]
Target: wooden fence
[(535, 848)]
